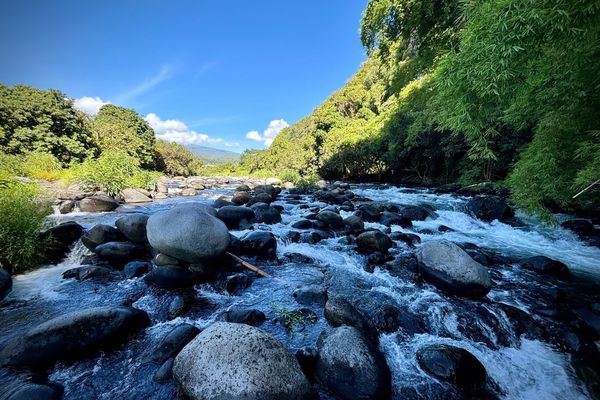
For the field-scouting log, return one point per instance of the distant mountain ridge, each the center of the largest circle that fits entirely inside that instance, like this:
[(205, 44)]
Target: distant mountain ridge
[(213, 156)]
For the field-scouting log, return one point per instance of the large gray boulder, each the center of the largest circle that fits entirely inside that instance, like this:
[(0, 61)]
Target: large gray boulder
[(451, 269), (237, 361), (133, 226), (188, 233), (72, 335), (98, 203), (350, 366), (131, 195), (5, 283)]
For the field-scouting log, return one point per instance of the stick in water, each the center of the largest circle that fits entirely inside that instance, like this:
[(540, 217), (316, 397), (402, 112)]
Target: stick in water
[(248, 265)]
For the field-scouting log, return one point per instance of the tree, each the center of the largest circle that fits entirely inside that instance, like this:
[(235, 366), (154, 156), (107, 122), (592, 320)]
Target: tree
[(174, 159), (34, 120), (117, 128)]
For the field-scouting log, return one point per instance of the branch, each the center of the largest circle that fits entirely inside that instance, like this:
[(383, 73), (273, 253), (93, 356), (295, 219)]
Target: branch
[(248, 265), (586, 189)]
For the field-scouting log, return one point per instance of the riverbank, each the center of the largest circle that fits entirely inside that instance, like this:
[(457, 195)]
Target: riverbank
[(530, 335)]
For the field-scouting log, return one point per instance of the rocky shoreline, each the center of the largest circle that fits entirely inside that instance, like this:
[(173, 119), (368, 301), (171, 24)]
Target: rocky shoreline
[(187, 245)]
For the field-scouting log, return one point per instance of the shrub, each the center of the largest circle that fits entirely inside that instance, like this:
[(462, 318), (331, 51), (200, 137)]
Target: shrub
[(112, 172), (42, 166), (11, 165), (22, 213)]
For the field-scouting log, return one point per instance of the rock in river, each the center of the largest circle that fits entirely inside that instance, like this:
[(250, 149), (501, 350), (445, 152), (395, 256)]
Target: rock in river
[(545, 265), (98, 203), (170, 277), (5, 283), (233, 215), (133, 226), (455, 365), (238, 361), (450, 268), (188, 233), (489, 208), (73, 335), (121, 252), (100, 234), (371, 241), (173, 342), (351, 367)]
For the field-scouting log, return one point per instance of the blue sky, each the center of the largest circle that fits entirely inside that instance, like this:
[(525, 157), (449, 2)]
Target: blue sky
[(227, 74)]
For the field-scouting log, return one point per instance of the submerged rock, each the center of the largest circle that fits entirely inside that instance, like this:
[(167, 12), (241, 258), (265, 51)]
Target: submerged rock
[(451, 269), (59, 238), (259, 244), (233, 215), (350, 366), (188, 233), (455, 365), (266, 214), (243, 316), (135, 269), (416, 213), (238, 361), (73, 335)]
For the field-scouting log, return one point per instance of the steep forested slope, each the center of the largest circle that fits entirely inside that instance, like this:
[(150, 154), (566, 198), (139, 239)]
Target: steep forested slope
[(463, 91)]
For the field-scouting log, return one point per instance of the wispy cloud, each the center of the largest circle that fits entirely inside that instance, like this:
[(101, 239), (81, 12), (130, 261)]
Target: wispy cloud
[(203, 68), (174, 130), (147, 85), (89, 105), (269, 134)]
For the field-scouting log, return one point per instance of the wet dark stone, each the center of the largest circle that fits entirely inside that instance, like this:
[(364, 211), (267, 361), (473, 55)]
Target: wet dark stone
[(266, 214), (580, 226), (5, 283), (391, 218), (121, 252), (173, 342), (331, 219), (95, 272), (372, 241), (368, 213), (242, 316), (133, 226), (259, 244), (311, 294), (165, 372), (489, 208), (454, 365), (236, 283), (339, 311), (409, 238), (416, 213), (179, 306), (135, 269), (233, 215), (545, 265), (302, 224), (376, 258), (523, 323), (170, 277), (444, 228), (308, 357), (354, 224), (100, 234), (72, 336), (59, 239), (298, 258)]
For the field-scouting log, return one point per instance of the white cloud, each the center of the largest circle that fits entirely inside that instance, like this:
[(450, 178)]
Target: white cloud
[(269, 134), (173, 130), (89, 105)]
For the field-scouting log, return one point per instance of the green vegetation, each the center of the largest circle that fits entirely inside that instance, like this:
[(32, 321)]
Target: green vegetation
[(462, 91), (43, 121), (22, 213), (117, 128), (112, 172), (174, 159)]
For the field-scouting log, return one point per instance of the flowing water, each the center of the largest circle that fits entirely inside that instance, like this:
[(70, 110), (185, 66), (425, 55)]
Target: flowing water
[(521, 368)]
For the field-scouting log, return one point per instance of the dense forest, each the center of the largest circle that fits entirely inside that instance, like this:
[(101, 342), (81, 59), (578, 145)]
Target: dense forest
[(462, 91)]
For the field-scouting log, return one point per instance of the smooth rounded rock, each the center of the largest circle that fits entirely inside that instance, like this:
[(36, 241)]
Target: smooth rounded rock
[(372, 241), (188, 233), (489, 208), (73, 335), (266, 214), (450, 268), (238, 361), (173, 342), (133, 226), (545, 265), (170, 277), (350, 366), (455, 365), (121, 252), (232, 215), (332, 219), (240, 198), (100, 234), (135, 269), (98, 203)]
